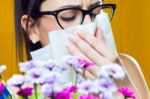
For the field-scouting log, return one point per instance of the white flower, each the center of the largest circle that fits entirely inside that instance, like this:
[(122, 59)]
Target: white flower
[(113, 70), (46, 90), (53, 78), (107, 95), (16, 80), (2, 68), (80, 78), (25, 66), (86, 87), (36, 75), (50, 64), (106, 85)]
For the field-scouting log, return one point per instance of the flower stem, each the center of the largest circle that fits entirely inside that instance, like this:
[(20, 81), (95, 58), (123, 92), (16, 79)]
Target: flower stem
[(36, 93), (84, 72)]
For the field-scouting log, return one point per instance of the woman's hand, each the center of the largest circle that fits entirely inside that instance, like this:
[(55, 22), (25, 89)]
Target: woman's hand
[(93, 48)]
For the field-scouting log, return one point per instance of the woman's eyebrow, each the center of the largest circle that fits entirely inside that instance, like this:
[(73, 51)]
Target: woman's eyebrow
[(70, 6), (94, 4), (79, 6)]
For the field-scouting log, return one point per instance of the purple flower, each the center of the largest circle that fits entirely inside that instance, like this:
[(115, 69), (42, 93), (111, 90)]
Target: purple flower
[(78, 64), (86, 87), (106, 85), (25, 66), (25, 92), (50, 64), (46, 90), (36, 75), (2, 87), (112, 70), (53, 78), (127, 92), (2, 68), (16, 80), (80, 78)]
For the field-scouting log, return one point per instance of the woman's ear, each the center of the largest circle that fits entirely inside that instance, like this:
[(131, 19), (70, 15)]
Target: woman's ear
[(33, 33)]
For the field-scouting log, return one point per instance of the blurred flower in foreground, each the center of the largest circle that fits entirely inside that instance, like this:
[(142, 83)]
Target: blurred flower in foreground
[(127, 92), (16, 80), (2, 68), (25, 92)]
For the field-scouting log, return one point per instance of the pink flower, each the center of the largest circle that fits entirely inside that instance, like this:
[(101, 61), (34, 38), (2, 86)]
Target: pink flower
[(2, 87), (88, 97), (25, 92), (77, 63), (127, 92), (86, 63), (66, 93)]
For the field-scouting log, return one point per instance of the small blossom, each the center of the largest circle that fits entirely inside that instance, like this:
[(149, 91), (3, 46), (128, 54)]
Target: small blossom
[(46, 90), (50, 64), (2, 68), (112, 70), (25, 92), (50, 90), (16, 80), (53, 78), (66, 93), (127, 92), (107, 95), (71, 89), (78, 64), (2, 87), (25, 66), (86, 87), (36, 75), (106, 85), (80, 78)]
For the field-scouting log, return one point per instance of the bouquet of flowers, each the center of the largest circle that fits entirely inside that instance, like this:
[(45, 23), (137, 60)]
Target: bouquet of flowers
[(4, 92), (44, 80)]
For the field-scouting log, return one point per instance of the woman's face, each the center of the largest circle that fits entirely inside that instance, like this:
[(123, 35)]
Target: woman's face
[(48, 23)]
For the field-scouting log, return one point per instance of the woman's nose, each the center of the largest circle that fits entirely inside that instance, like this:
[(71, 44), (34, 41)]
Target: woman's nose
[(87, 19)]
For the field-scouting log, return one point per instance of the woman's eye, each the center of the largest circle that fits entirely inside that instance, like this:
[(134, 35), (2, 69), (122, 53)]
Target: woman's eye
[(93, 15), (68, 18)]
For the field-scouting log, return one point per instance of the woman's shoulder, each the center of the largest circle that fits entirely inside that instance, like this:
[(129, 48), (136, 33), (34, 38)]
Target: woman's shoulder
[(136, 75)]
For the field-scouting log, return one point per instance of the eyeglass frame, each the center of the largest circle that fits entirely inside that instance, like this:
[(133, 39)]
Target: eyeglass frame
[(84, 12)]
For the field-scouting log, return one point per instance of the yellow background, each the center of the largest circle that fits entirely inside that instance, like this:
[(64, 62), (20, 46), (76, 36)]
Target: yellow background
[(130, 26)]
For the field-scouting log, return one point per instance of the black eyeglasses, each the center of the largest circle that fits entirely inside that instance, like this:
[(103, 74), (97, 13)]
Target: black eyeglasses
[(68, 17)]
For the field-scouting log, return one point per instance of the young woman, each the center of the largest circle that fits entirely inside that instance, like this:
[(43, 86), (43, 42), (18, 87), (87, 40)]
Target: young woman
[(33, 21)]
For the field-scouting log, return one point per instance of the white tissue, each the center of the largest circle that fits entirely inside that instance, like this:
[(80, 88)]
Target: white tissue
[(58, 39)]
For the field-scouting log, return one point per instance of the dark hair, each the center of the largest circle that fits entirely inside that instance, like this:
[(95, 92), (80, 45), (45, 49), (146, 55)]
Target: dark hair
[(23, 44)]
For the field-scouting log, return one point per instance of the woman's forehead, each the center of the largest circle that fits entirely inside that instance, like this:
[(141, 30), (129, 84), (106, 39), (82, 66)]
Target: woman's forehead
[(55, 4)]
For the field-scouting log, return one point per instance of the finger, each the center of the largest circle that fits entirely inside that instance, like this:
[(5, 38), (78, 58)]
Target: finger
[(88, 75), (73, 50), (76, 52), (99, 34), (99, 46), (88, 50)]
